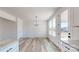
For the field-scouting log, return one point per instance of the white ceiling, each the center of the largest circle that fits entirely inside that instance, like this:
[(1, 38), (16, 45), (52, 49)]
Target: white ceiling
[(29, 13)]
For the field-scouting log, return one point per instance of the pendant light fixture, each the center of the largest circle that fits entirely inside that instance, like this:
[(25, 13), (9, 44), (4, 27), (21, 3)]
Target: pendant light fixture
[(36, 21)]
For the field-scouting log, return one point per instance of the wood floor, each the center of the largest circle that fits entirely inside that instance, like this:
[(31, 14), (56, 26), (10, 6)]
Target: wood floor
[(37, 45)]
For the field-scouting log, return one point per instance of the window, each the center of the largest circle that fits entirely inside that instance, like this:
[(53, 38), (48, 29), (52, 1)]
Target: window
[(52, 27), (64, 25)]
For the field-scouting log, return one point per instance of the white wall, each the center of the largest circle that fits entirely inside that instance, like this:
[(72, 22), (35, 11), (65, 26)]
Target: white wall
[(7, 16), (29, 30), (7, 29), (19, 28)]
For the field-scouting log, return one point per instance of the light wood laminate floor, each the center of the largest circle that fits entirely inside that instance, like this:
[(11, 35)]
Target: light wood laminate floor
[(38, 45)]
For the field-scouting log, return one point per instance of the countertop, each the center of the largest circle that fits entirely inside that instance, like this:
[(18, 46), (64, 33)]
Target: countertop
[(72, 43), (6, 42)]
